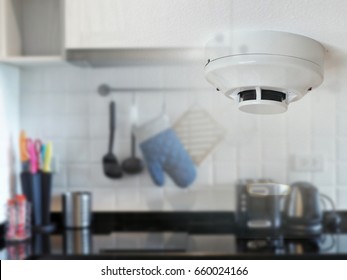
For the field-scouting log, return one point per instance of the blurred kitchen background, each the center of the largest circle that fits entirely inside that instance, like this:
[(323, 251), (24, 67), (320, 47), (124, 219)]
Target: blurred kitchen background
[(59, 102)]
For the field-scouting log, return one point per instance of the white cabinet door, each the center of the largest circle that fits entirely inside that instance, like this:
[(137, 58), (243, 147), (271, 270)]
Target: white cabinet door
[(144, 23)]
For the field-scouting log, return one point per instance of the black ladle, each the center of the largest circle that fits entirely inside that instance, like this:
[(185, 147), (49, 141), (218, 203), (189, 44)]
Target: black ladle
[(132, 165), (112, 169)]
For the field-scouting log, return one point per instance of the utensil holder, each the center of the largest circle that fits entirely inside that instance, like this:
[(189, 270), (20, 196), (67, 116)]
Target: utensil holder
[(37, 188)]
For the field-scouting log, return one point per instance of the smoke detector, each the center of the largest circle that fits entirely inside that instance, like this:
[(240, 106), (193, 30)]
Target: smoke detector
[(264, 71)]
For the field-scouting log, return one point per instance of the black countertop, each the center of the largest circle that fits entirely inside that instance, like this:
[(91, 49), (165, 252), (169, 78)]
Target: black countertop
[(172, 235)]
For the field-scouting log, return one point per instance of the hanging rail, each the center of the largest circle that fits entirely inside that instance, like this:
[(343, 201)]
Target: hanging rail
[(105, 90)]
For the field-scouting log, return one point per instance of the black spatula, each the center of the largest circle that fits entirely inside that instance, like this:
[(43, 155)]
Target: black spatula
[(112, 169)]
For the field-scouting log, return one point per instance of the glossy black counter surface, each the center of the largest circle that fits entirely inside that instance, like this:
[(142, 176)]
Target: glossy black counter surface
[(82, 244), (193, 222), (174, 236)]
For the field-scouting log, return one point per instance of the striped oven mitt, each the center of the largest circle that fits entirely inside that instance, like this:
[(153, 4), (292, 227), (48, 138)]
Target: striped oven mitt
[(163, 152)]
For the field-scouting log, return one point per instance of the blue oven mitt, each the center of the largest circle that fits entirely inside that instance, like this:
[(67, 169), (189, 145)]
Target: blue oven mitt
[(163, 152)]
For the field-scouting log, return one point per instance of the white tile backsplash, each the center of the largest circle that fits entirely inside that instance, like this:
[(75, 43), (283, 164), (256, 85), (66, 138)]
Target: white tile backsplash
[(9, 124), (78, 176), (77, 151), (61, 104)]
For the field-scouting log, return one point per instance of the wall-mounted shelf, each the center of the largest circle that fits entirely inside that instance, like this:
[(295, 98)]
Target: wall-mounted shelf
[(31, 32)]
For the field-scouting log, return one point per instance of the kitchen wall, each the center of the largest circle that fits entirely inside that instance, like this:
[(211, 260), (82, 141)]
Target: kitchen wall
[(61, 104), (9, 126)]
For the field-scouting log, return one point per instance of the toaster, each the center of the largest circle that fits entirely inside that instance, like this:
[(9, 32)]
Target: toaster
[(259, 206)]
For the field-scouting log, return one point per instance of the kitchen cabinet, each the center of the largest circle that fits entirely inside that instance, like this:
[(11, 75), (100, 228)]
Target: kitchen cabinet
[(129, 24), (51, 31), (31, 31)]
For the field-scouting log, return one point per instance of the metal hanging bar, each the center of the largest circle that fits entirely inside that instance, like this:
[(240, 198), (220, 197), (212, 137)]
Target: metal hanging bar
[(105, 90)]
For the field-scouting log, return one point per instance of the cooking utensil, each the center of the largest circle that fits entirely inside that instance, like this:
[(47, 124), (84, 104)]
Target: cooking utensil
[(133, 165), (199, 133), (24, 157), (47, 157), (42, 156), (38, 147), (111, 167), (32, 156)]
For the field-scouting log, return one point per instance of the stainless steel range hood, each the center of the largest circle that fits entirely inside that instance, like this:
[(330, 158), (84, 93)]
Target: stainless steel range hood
[(114, 57)]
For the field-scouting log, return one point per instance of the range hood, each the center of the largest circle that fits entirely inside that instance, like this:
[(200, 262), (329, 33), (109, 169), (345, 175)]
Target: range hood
[(113, 57)]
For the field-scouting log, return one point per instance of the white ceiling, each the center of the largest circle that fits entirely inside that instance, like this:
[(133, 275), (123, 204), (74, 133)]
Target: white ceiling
[(323, 20)]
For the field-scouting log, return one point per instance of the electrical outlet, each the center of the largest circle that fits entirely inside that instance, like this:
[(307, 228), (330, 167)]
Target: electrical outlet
[(308, 163)]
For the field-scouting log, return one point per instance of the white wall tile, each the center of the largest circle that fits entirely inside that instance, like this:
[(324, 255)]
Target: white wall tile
[(225, 174), (31, 80), (150, 105), (104, 200), (154, 198), (276, 170), (205, 175), (225, 152), (274, 149), (273, 127), (98, 149), (54, 104), (31, 103), (78, 176), (62, 104), (341, 148), (130, 199), (77, 151), (342, 199), (78, 80), (99, 127), (9, 123), (77, 127), (341, 173), (323, 112), (77, 104), (149, 76), (179, 199), (55, 127), (122, 77), (295, 176), (54, 79), (324, 146), (299, 127), (326, 177), (341, 121), (249, 170), (59, 179)]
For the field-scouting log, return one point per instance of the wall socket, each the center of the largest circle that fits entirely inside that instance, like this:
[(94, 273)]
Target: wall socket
[(306, 163)]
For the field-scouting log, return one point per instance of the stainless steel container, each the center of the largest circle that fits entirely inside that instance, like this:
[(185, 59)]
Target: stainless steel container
[(77, 209), (77, 241)]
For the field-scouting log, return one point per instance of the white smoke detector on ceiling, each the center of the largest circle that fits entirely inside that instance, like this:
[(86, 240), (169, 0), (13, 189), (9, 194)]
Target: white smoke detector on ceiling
[(264, 71)]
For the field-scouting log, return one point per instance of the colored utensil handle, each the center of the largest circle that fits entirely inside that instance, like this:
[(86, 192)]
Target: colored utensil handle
[(23, 147), (38, 146), (48, 157), (32, 156), (42, 156)]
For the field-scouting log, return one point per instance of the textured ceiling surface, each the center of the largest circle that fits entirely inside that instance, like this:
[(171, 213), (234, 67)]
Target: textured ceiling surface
[(325, 21), (195, 21)]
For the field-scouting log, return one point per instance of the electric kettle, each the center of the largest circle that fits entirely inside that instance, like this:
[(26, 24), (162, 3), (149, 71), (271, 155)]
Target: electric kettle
[(302, 210)]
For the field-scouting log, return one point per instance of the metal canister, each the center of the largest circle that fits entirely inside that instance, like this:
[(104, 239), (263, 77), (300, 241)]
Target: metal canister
[(77, 209)]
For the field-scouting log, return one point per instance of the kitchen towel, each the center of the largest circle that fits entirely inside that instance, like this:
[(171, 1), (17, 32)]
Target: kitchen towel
[(164, 152)]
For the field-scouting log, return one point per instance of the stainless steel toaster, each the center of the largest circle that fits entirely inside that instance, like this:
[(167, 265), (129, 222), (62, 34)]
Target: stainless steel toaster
[(259, 206)]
